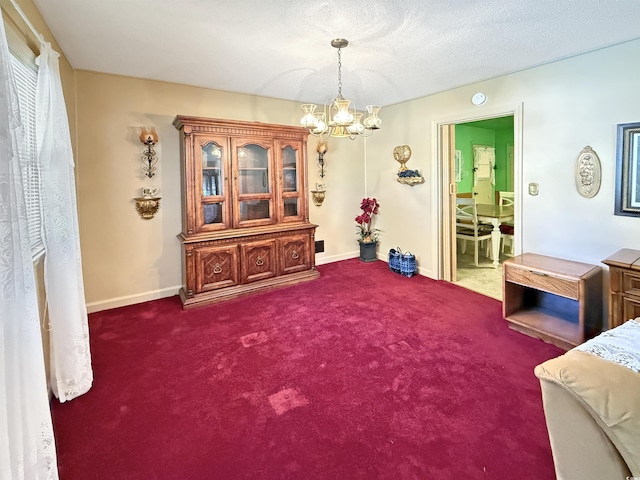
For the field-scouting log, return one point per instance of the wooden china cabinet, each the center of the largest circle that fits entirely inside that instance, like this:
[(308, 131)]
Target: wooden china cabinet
[(245, 214)]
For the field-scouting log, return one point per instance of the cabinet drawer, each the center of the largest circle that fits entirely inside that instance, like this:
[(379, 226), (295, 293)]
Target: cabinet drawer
[(542, 281), (630, 308), (631, 283)]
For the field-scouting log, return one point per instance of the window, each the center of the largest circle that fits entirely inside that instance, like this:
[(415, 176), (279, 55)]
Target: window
[(26, 77)]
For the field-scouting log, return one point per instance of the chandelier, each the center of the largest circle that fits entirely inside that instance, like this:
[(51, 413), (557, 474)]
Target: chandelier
[(340, 117)]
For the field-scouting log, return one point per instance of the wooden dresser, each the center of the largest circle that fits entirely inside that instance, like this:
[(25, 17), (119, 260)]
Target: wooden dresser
[(556, 300), (624, 286)]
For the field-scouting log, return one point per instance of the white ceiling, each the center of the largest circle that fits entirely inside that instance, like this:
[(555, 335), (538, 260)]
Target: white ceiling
[(399, 49)]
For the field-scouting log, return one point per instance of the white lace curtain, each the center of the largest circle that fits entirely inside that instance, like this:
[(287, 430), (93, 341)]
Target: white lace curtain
[(27, 448), (71, 372)]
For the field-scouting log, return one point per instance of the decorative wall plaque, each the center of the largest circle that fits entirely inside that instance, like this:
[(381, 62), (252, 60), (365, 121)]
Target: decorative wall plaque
[(588, 173)]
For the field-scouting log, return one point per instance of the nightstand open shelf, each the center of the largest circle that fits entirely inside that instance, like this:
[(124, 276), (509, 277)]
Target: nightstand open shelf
[(556, 300)]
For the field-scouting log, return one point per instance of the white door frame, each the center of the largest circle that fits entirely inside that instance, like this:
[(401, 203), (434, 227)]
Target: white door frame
[(443, 189)]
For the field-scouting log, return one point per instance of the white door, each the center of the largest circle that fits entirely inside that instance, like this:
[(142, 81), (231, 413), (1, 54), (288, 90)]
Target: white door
[(484, 159)]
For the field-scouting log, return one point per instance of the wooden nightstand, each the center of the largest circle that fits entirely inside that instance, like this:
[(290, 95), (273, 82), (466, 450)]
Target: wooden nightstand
[(624, 286), (556, 300)]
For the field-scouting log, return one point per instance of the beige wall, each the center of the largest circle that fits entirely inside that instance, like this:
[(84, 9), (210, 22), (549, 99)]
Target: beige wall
[(127, 259), (564, 107)]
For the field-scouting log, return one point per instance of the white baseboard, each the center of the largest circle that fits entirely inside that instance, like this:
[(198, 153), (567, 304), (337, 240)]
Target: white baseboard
[(132, 299), (321, 259), (426, 273), (170, 291), (383, 257)]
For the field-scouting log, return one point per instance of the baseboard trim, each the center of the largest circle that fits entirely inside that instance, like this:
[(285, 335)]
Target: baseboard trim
[(171, 291), (132, 299), (381, 256), (321, 259)]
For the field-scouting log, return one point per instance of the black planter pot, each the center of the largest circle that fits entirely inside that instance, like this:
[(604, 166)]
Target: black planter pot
[(368, 251)]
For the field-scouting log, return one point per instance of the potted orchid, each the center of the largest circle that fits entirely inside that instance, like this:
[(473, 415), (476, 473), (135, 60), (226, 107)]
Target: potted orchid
[(368, 236)]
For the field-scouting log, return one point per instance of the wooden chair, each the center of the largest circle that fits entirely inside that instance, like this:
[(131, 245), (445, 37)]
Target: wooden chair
[(506, 229), (468, 227)]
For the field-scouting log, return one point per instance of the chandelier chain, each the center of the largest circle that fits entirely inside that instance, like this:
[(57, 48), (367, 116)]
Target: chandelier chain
[(339, 73)]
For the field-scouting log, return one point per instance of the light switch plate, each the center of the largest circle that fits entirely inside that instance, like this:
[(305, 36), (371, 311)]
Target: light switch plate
[(533, 189)]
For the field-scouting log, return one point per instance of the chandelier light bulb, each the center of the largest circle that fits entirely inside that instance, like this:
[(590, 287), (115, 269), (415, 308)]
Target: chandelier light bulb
[(320, 125), (308, 120), (372, 121), (343, 117), (356, 128)]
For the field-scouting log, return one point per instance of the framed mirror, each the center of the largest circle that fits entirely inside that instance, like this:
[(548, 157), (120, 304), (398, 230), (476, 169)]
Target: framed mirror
[(627, 200)]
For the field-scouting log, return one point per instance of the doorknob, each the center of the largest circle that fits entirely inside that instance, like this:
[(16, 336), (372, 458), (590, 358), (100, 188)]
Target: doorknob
[(475, 193)]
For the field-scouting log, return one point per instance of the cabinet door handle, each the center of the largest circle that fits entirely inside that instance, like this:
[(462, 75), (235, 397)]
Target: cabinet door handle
[(538, 273), (259, 261), (217, 268), (294, 254)]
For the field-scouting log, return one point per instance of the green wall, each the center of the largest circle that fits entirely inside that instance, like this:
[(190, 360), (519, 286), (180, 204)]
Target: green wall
[(497, 133)]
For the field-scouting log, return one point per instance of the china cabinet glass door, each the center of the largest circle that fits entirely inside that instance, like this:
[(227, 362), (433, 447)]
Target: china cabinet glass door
[(211, 182), (291, 180), (253, 184)]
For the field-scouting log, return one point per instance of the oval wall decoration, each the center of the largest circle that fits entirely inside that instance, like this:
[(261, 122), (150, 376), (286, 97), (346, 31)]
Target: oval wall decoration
[(588, 173)]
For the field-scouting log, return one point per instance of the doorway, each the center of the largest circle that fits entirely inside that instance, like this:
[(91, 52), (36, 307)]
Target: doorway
[(500, 131)]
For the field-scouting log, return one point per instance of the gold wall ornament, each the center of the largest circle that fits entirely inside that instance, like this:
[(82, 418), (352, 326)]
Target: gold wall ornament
[(402, 154), (318, 197), (147, 207)]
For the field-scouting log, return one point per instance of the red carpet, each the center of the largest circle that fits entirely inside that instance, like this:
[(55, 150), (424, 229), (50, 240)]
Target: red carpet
[(361, 374)]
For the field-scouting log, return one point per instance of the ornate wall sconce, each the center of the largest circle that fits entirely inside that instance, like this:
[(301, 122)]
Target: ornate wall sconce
[(148, 205), (402, 154), (321, 149), (149, 137)]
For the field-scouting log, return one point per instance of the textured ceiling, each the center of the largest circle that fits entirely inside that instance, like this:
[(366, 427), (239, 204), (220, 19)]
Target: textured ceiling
[(399, 49)]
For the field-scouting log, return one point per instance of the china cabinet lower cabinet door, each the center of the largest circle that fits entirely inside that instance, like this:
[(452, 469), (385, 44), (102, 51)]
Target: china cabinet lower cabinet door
[(294, 253), (215, 267), (258, 260)]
